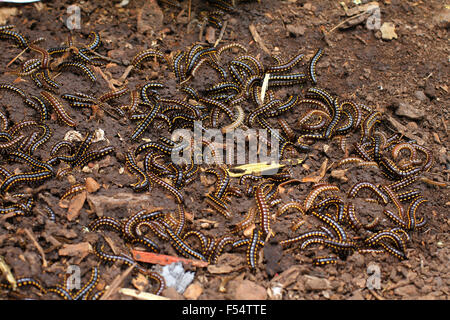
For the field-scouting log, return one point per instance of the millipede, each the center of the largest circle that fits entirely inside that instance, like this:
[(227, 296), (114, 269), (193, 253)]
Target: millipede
[(228, 89)]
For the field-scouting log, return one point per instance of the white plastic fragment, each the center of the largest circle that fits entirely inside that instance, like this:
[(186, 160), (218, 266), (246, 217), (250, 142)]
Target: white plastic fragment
[(176, 277)]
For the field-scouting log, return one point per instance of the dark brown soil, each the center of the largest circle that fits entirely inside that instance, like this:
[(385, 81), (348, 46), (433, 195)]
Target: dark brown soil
[(412, 70)]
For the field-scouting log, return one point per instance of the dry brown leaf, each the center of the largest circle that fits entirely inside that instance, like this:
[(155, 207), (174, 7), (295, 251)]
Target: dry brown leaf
[(340, 174), (92, 185), (220, 269), (316, 177), (75, 206)]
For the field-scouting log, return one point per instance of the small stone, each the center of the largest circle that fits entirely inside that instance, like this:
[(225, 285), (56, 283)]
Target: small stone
[(340, 174), (412, 126), (193, 291), (406, 291), (248, 290), (297, 30), (360, 281), (409, 111), (388, 31), (420, 95), (430, 91), (315, 283)]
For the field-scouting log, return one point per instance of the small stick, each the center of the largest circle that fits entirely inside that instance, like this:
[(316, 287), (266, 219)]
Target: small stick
[(37, 245), (376, 295), (345, 21), (189, 10), (16, 57), (222, 32), (116, 282), (141, 295)]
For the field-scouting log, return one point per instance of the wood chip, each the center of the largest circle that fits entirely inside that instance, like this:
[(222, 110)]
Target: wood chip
[(193, 291), (6, 270), (75, 206), (222, 269), (258, 38), (92, 185), (113, 288), (81, 249), (30, 235), (141, 295)]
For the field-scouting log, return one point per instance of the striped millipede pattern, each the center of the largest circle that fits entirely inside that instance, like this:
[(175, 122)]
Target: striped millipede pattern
[(323, 215)]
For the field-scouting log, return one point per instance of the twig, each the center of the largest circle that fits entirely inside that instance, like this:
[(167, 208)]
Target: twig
[(107, 58), (16, 57), (6, 270), (117, 282), (38, 246), (125, 74), (141, 295), (376, 295), (434, 183), (189, 10), (258, 38), (222, 32), (346, 20)]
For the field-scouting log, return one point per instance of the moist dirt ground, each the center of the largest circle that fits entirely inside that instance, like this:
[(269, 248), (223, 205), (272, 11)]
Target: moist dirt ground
[(405, 78)]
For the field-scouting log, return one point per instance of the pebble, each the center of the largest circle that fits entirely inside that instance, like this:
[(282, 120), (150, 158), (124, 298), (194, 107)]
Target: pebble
[(408, 111), (430, 91), (388, 31), (92, 185), (412, 126), (297, 30), (420, 95), (193, 291)]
